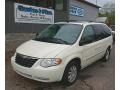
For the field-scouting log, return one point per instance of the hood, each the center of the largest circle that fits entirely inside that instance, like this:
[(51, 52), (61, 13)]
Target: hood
[(41, 49)]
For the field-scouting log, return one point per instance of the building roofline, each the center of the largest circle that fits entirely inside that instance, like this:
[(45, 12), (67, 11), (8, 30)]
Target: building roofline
[(84, 1)]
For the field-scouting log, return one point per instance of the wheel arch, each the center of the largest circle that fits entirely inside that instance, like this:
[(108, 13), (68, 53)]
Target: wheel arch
[(77, 60), (109, 47)]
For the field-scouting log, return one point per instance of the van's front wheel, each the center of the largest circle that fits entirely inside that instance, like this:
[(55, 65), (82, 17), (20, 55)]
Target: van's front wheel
[(70, 74)]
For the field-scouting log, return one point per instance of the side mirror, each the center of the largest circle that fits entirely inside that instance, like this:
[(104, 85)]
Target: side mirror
[(37, 34), (81, 43)]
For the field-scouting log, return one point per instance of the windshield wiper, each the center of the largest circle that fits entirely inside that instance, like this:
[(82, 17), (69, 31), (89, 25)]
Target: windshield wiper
[(52, 40), (42, 39), (60, 41)]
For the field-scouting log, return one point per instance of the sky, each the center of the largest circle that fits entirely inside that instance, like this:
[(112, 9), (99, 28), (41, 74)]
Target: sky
[(101, 2)]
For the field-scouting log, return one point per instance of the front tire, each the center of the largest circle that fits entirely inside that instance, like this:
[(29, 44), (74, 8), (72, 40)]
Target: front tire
[(71, 73)]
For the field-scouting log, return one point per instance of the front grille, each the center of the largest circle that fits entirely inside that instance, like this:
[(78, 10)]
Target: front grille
[(25, 61)]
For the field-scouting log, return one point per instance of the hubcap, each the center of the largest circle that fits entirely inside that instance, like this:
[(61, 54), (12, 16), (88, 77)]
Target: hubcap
[(107, 55), (72, 74)]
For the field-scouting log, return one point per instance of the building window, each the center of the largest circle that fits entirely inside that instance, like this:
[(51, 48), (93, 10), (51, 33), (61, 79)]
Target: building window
[(28, 2), (59, 4), (41, 3), (54, 4)]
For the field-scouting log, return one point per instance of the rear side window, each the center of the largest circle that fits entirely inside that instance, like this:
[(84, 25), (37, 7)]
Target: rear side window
[(101, 31), (107, 31)]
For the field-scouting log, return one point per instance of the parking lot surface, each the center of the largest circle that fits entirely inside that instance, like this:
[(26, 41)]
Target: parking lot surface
[(98, 76)]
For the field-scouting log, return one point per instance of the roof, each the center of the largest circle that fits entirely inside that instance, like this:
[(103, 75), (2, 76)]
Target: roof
[(84, 1), (101, 19), (68, 23)]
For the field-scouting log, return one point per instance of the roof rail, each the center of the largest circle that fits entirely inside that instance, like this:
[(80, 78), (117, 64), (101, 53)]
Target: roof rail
[(84, 21), (80, 21)]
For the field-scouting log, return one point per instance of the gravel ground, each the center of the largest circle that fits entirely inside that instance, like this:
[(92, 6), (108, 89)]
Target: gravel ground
[(98, 76)]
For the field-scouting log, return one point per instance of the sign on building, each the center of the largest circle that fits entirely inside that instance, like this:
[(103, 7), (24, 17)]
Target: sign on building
[(76, 11), (33, 14)]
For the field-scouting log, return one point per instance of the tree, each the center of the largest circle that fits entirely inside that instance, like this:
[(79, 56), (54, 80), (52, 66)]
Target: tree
[(108, 11)]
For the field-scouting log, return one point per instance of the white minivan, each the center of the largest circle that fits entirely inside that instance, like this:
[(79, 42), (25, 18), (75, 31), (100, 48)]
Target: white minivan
[(60, 51)]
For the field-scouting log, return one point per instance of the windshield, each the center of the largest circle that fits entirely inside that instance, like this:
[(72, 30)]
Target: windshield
[(60, 33)]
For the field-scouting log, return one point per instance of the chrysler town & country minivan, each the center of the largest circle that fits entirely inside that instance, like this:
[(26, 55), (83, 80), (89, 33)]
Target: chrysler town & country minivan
[(59, 52)]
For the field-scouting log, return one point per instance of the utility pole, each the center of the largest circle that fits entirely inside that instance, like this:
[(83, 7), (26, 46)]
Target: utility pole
[(96, 2)]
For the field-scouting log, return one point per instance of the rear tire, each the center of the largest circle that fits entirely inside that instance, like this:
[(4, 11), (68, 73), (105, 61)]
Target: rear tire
[(107, 55), (70, 74)]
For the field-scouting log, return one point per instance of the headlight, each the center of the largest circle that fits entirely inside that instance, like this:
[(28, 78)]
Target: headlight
[(48, 62)]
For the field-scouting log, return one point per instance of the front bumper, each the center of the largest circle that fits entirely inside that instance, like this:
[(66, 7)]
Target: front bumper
[(38, 73)]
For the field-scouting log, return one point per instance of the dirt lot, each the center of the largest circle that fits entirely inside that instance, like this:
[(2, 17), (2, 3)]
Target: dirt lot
[(98, 76)]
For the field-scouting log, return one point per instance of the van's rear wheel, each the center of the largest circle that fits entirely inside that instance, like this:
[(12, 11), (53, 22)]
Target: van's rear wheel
[(107, 55), (71, 73)]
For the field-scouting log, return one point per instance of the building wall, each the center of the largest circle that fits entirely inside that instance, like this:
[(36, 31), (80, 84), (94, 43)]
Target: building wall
[(91, 13), (12, 27)]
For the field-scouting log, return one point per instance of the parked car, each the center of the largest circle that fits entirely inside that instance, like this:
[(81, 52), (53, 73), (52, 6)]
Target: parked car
[(60, 51), (113, 33), (112, 27)]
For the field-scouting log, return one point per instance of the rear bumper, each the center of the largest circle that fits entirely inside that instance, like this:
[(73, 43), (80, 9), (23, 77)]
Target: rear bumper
[(52, 74)]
